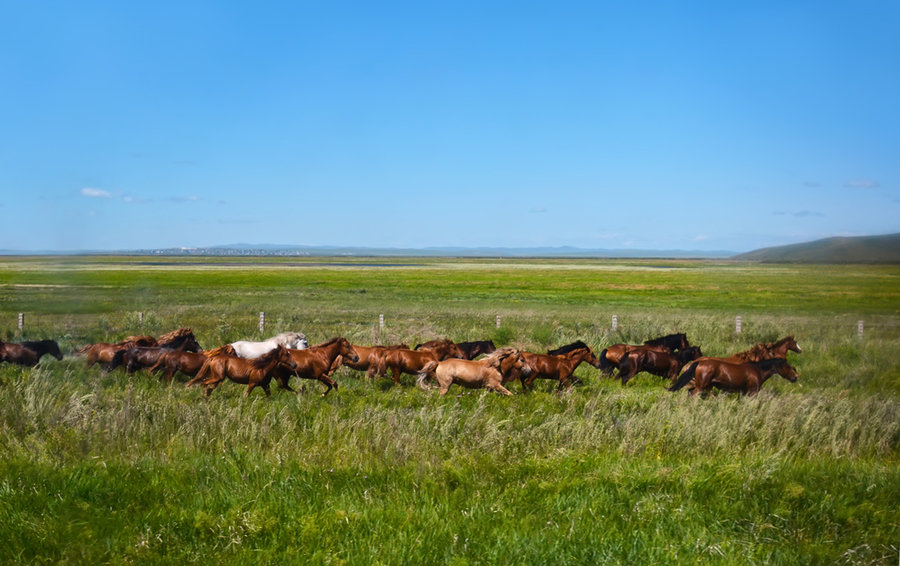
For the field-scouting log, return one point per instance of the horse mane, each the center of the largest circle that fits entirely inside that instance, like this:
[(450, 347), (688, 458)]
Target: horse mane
[(662, 339), (327, 342), (226, 350), (175, 335), (761, 351), (262, 361), (138, 341), (577, 345), (494, 358)]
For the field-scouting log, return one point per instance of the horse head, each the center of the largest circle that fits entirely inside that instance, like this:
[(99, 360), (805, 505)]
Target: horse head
[(792, 345), (786, 370), (347, 351)]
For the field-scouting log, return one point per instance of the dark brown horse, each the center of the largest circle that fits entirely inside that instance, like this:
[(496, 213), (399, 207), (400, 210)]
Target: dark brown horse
[(103, 352), (139, 357), (611, 356), (663, 364), (472, 350), (746, 377), (28, 353), (253, 372), (559, 367), (317, 362)]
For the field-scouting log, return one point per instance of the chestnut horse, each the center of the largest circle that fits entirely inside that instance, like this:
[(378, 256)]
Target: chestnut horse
[(559, 367), (663, 364), (612, 355), (28, 353), (746, 377), (489, 372), (401, 360), (472, 350), (371, 359), (253, 372), (443, 348), (317, 362)]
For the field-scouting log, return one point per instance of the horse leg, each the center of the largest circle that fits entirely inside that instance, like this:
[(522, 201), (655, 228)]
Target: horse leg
[(332, 384), (499, 388)]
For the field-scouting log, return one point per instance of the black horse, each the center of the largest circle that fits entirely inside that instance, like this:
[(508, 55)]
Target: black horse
[(673, 342), (138, 357), (476, 348), (28, 353)]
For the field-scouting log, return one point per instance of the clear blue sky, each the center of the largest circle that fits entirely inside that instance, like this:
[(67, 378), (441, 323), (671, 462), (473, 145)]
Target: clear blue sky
[(691, 125)]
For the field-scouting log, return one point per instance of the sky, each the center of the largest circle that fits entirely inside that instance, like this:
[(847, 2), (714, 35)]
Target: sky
[(599, 125)]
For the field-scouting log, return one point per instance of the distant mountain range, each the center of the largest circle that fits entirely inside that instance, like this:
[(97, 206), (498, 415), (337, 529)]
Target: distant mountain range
[(859, 249), (561, 252)]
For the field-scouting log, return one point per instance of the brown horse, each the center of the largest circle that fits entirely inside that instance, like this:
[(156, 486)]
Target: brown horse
[(139, 357), (103, 352), (746, 377), (188, 363), (489, 372), (472, 350), (18, 354), (443, 348), (371, 359), (317, 362), (559, 367), (663, 364), (401, 360), (253, 372), (611, 356)]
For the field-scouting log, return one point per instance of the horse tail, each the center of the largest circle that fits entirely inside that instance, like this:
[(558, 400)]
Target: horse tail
[(417, 346), (685, 378), (200, 373), (426, 373), (606, 366), (84, 349)]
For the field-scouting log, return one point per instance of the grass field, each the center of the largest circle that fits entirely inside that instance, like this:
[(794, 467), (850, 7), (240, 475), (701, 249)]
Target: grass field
[(112, 469)]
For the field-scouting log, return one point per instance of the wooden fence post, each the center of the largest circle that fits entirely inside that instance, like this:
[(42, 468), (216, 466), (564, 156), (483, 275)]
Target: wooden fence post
[(498, 321), (140, 319), (262, 322), (859, 329), (615, 322), (381, 322), (737, 325), (21, 321)]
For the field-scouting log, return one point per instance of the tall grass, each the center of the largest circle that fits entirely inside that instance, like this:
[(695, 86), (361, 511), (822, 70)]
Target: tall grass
[(112, 468)]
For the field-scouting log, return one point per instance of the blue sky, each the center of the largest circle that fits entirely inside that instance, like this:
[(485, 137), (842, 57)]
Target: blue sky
[(664, 125)]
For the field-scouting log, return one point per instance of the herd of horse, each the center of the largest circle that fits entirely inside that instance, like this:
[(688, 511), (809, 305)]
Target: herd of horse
[(445, 362)]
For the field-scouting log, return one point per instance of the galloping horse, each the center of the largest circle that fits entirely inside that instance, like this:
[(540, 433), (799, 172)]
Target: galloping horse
[(253, 372), (401, 360), (371, 359), (658, 363), (317, 363), (768, 350), (104, 351), (246, 349), (745, 377), (138, 357), (28, 353), (559, 367), (489, 372), (612, 355)]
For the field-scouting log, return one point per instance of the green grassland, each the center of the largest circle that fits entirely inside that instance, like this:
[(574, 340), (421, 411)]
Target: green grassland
[(101, 468)]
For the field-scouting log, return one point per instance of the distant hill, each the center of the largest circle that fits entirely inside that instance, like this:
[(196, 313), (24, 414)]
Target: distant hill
[(860, 249)]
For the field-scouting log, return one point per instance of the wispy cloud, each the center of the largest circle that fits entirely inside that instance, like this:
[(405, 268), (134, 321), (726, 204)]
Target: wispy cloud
[(95, 193), (188, 198), (798, 213), (861, 184)]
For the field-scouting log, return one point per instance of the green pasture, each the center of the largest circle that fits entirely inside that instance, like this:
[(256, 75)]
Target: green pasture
[(107, 468)]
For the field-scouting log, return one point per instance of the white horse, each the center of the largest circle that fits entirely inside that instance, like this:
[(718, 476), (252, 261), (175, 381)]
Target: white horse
[(295, 340)]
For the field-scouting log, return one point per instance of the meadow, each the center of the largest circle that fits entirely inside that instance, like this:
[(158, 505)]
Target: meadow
[(109, 468)]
